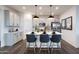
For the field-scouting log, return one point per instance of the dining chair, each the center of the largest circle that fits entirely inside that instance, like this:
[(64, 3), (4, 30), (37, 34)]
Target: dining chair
[(55, 39), (31, 39), (44, 38)]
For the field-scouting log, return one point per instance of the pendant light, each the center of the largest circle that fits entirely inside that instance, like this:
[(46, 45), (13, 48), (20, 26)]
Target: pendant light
[(35, 16), (50, 16)]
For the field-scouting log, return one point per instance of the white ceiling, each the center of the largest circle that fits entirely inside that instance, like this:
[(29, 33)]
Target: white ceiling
[(44, 11)]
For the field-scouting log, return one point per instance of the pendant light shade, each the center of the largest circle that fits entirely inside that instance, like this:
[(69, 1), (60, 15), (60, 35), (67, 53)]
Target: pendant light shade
[(50, 16), (35, 16)]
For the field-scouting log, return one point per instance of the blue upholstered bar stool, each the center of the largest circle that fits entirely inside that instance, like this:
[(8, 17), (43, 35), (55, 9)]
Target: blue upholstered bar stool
[(44, 38), (55, 39), (31, 39)]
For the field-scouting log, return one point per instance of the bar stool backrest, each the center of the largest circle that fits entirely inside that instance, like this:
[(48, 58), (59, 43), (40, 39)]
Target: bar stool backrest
[(30, 38), (56, 38), (44, 38)]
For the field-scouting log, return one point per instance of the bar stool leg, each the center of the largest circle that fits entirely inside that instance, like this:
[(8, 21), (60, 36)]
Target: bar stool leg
[(28, 44), (52, 47), (57, 45), (48, 47), (40, 47), (34, 47)]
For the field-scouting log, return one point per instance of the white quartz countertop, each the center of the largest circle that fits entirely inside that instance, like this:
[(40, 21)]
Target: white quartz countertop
[(48, 32), (13, 32)]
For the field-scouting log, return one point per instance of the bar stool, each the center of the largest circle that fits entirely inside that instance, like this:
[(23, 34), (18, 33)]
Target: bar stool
[(44, 38), (31, 39), (55, 39)]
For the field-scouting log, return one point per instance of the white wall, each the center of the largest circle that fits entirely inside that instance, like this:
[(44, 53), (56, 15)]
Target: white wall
[(1, 26), (77, 25), (26, 23), (70, 35)]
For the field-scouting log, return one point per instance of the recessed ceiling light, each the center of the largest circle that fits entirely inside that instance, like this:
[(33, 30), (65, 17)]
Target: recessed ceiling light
[(40, 7), (57, 8), (52, 13), (24, 7), (28, 15)]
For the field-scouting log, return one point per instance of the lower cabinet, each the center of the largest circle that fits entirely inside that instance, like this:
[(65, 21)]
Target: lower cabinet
[(12, 38), (9, 39)]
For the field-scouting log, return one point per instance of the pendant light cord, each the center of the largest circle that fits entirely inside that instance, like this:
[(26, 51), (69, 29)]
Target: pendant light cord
[(36, 9), (50, 9)]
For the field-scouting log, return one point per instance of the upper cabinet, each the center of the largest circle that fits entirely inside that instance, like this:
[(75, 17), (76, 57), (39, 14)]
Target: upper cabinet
[(16, 20), (11, 19), (6, 17)]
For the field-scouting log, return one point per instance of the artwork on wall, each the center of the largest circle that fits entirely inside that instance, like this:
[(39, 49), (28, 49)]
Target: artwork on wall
[(56, 26), (67, 23), (63, 24), (42, 24)]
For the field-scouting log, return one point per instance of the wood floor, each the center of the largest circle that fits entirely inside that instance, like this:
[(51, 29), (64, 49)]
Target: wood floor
[(20, 48), (45, 51)]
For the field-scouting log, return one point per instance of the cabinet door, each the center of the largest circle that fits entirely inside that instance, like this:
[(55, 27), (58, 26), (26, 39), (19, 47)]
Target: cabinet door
[(8, 39), (16, 20), (15, 38), (6, 17), (11, 19)]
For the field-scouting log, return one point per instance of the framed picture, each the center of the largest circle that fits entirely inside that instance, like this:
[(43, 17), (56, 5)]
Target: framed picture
[(69, 23), (56, 26), (63, 26), (41, 24)]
